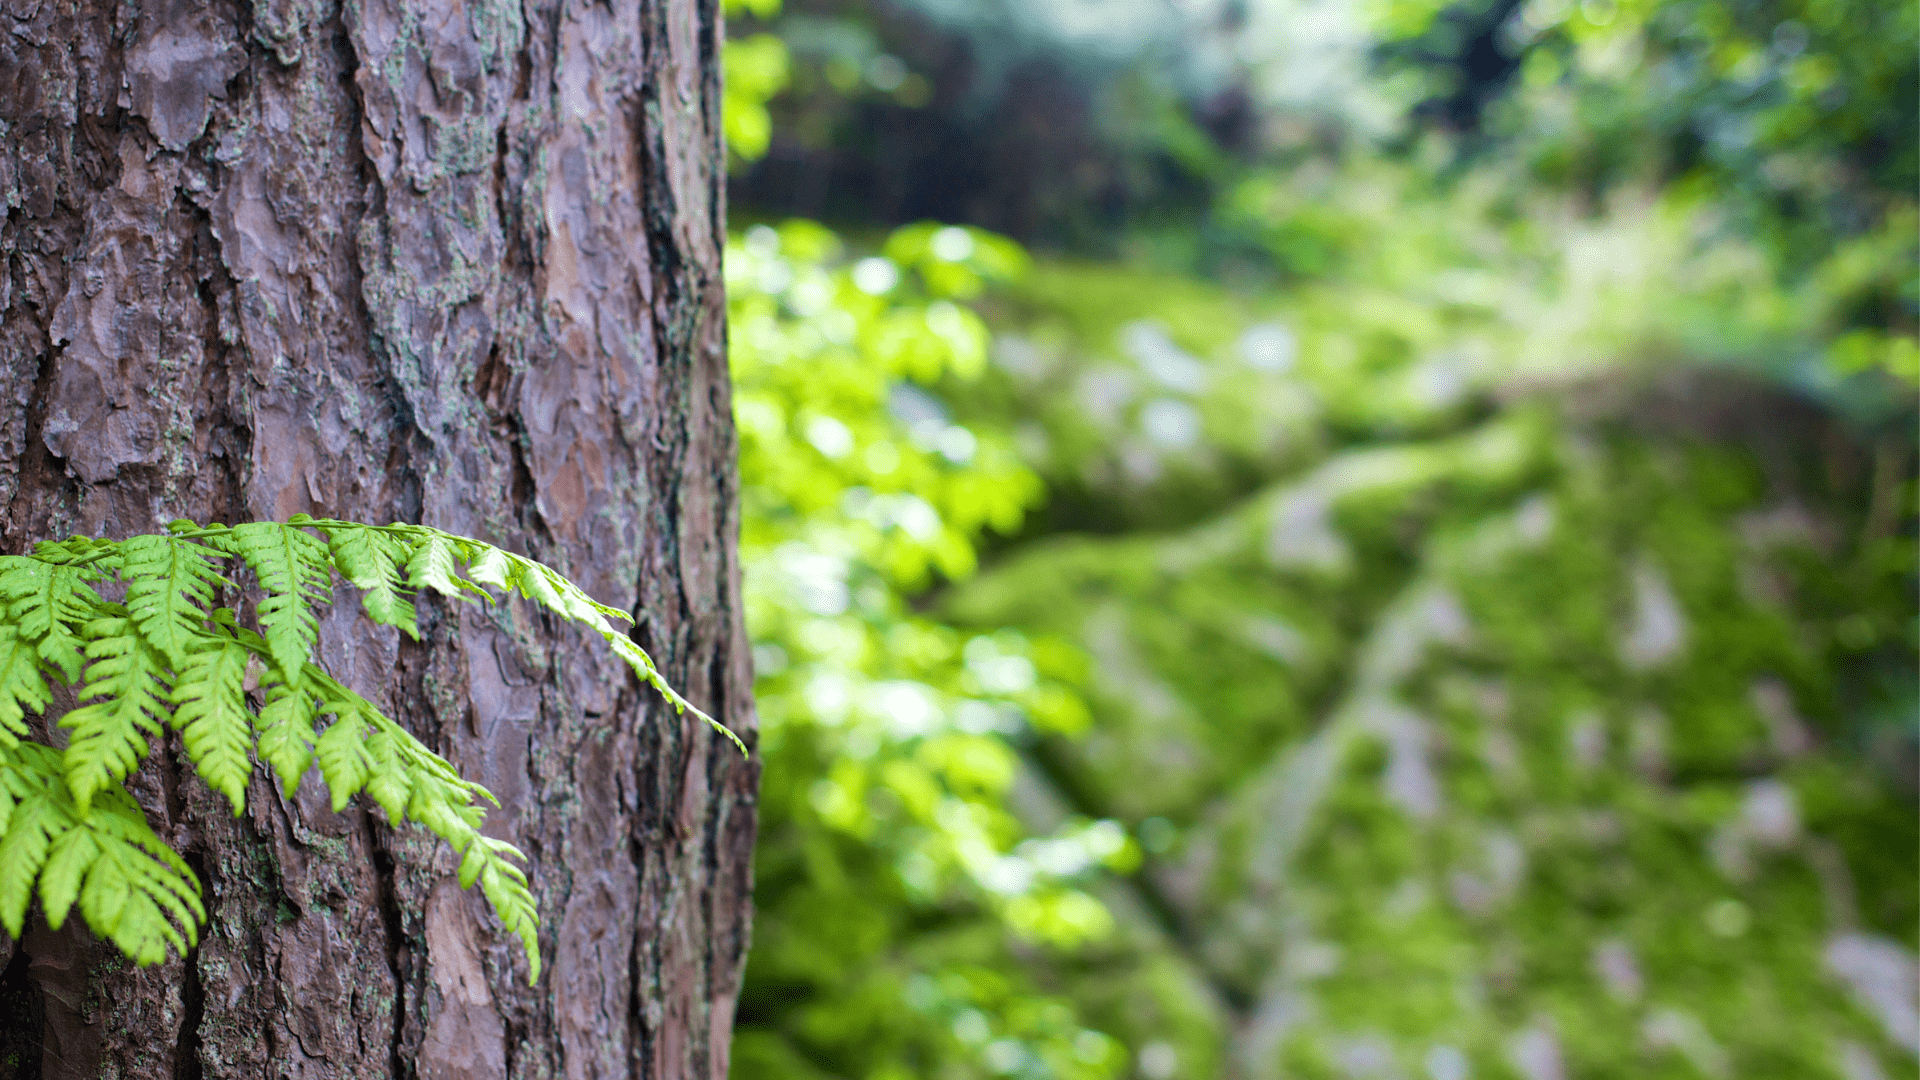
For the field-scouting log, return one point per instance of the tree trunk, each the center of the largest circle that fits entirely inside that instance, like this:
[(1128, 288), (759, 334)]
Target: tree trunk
[(399, 260)]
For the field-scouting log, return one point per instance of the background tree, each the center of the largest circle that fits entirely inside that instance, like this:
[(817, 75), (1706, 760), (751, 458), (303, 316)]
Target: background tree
[(399, 261)]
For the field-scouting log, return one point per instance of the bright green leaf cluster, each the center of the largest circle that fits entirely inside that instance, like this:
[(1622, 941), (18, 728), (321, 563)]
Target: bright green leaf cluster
[(890, 739), (167, 656), (754, 69)]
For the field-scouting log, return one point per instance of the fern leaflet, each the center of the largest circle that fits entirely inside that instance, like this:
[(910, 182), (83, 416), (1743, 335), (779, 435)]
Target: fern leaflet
[(51, 604), (210, 712), (294, 567), (39, 809), (342, 751), (170, 587), (435, 564), (505, 886), (125, 694), (22, 687), (373, 561), (131, 886), (363, 750)]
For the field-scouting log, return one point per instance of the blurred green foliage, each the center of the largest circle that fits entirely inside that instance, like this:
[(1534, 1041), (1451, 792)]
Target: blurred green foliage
[(888, 768), (1792, 121), (1442, 605)]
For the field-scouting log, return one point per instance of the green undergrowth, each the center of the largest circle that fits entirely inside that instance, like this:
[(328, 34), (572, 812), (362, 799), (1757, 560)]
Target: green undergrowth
[(1540, 722), (1481, 646), (1360, 699)]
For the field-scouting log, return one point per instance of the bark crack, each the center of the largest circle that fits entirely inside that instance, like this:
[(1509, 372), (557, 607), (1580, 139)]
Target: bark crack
[(193, 994), (22, 1000), (384, 872)]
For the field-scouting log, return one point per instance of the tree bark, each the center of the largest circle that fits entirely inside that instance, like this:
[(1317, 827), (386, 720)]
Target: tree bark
[(399, 260)]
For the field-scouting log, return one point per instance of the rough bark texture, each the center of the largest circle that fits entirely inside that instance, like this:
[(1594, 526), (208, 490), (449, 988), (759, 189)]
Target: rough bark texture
[(420, 260)]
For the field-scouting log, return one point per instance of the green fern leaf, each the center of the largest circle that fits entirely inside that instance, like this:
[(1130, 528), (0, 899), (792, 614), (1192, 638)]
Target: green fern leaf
[(132, 888), (537, 582), (435, 563), (67, 825), (388, 782), (505, 887), (364, 750), (51, 603), (210, 712), (636, 657), (549, 588), (9, 764), (170, 588), (372, 560), (41, 810), (22, 687), (530, 583), (102, 555), (488, 565), (447, 810), (342, 748), (125, 694), (294, 568), (158, 887), (284, 730)]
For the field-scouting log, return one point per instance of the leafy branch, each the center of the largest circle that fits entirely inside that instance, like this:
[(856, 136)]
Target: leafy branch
[(165, 656)]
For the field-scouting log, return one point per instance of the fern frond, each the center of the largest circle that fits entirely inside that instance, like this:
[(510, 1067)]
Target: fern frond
[(538, 582), (435, 563), (22, 687), (125, 697), (170, 590), (373, 560), (39, 810), (68, 827), (505, 886), (51, 603), (294, 567), (284, 730), (446, 807), (636, 657), (342, 751), (550, 589), (210, 712), (389, 776), (132, 888), (102, 555), (490, 565), (9, 764), (364, 750)]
